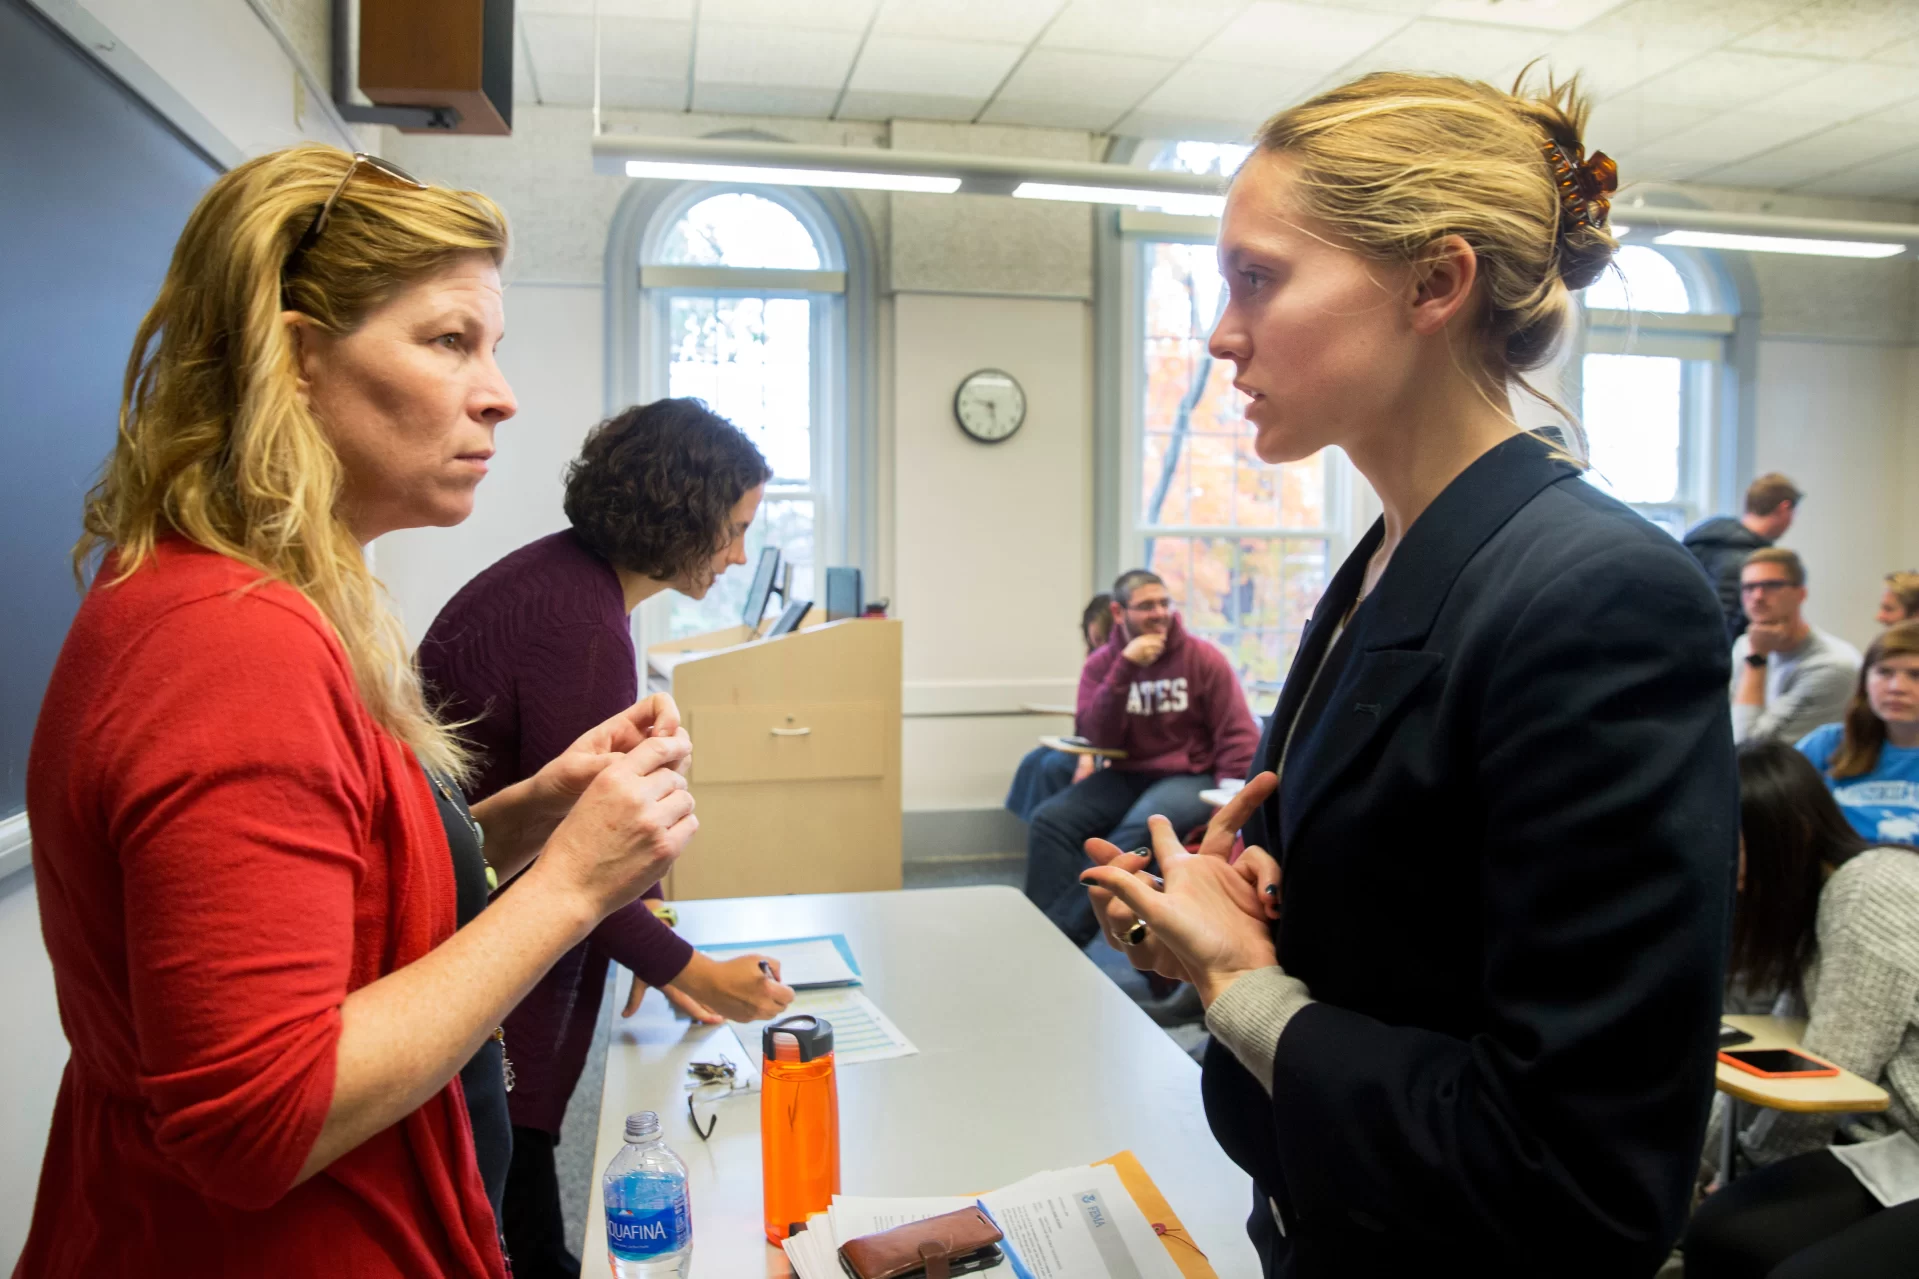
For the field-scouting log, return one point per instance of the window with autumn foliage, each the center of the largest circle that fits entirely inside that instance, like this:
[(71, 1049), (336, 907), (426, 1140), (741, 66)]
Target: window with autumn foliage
[(1245, 547)]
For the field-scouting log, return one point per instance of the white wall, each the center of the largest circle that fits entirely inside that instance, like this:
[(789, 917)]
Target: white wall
[(33, 1052), (993, 541), (1837, 419)]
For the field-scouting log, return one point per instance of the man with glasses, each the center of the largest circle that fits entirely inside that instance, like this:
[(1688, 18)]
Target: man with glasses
[(1173, 704), (1789, 677)]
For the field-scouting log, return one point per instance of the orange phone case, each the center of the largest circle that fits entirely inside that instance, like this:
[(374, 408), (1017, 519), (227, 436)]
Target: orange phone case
[(1828, 1072)]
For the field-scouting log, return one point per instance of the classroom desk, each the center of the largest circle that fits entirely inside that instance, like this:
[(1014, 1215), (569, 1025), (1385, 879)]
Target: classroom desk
[(1029, 1058), (1221, 795), (1054, 742), (1844, 1093)]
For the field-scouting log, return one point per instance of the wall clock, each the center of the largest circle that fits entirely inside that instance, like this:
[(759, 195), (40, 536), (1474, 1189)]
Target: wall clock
[(990, 405)]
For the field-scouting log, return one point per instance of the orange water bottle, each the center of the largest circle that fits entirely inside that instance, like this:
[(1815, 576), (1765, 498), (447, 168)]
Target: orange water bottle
[(799, 1123)]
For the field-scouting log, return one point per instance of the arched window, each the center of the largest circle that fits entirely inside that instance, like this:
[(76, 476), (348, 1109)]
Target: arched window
[(741, 305), (1648, 377)]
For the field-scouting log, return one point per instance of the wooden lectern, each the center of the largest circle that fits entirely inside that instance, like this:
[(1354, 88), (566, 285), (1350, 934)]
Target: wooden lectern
[(796, 758)]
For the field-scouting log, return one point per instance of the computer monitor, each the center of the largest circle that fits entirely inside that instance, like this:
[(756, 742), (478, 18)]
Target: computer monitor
[(790, 620), (762, 588)]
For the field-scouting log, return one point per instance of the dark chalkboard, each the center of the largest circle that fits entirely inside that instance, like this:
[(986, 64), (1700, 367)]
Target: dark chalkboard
[(94, 188)]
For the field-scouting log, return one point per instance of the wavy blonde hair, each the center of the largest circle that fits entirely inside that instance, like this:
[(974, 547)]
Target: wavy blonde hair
[(216, 441), (1394, 162)]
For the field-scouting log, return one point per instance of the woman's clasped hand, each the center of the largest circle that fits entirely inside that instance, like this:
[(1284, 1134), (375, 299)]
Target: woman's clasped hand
[(1208, 916), (633, 818)]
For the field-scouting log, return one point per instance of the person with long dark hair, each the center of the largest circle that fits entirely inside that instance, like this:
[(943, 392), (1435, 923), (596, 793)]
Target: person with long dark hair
[(1833, 924), (1871, 757), (539, 644)]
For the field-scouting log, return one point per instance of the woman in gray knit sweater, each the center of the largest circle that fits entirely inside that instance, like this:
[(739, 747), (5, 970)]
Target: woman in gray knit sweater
[(1833, 925)]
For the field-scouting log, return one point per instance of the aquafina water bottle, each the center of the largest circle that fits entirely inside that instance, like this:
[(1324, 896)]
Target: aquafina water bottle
[(649, 1227)]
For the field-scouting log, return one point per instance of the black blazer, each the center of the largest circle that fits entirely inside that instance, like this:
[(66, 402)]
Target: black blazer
[(1509, 826)]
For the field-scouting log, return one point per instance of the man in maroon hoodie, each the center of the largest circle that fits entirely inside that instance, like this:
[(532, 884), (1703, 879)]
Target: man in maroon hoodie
[(1169, 700)]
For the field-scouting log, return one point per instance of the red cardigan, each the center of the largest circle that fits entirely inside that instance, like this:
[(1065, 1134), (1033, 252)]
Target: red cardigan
[(225, 844)]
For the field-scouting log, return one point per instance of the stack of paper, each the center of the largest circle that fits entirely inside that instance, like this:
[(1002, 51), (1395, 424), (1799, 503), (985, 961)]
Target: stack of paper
[(1073, 1223), (805, 962)]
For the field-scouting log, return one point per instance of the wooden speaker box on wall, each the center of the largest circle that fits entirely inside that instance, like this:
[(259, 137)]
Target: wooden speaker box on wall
[(441, 53)]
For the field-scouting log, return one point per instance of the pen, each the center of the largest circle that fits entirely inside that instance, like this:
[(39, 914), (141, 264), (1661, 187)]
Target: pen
[(767, 969)]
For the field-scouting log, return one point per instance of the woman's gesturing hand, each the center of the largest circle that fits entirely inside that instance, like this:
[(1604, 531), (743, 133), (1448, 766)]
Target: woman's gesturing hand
[(567, 775), (1209, 917), (627, 828)]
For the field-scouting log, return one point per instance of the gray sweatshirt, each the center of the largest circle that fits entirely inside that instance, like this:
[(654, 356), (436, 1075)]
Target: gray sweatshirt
[(1805, 688)]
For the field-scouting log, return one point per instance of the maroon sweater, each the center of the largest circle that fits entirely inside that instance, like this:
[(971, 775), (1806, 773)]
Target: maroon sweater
[(1184, 714), (538, 650)]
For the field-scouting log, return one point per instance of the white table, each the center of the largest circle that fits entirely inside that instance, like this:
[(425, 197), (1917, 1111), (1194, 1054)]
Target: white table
[(1029, 1058)]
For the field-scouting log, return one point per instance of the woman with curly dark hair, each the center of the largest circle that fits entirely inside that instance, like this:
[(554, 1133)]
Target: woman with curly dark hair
[(528, 655)]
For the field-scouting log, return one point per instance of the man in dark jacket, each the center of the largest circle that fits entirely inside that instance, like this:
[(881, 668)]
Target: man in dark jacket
[(1721, 544)]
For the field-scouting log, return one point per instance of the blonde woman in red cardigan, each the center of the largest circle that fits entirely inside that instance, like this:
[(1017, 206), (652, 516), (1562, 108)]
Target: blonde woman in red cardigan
[(245, 887)]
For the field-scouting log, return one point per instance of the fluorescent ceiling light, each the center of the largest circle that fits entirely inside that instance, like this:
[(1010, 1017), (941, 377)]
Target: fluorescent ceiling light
[(1208, 206), (1781, 244), (791, 177)]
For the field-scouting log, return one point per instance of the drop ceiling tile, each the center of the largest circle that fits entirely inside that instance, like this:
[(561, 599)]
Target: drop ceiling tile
[(1905, 53), (1468, 49), (1838, 28), (784, 56), (1051, 114), (1093, 79), (1164, 28), (1719, 141), (1277, 35), (1847, 92), (649, 10), (1623, 125), (1896, 177), (943, 68), (765, 99), (1611, 65), (631, 92), (819, 15), (863, 105), (1196, 128), (1844, 146), (1011, 21), (562, 45), (1223, 92), (1693, 24), (1556, 15), (1730, 78)]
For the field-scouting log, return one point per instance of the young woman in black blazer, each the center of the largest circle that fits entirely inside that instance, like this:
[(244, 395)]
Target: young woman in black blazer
[(1481, 1038)]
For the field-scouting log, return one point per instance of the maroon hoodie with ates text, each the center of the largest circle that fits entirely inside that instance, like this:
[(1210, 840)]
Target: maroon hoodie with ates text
[(1183, 714)]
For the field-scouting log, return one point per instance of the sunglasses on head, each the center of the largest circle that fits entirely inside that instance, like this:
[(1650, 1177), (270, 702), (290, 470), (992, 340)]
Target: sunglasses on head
[(316, 228)]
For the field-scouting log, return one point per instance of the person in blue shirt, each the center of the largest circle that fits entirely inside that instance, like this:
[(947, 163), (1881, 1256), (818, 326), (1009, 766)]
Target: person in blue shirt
[(1871, 758)]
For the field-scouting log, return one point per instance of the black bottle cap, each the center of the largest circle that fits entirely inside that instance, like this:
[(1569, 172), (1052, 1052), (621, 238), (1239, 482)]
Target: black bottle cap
[(813, 1036)]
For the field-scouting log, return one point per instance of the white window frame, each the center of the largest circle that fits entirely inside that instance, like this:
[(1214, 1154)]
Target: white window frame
[(841, 296), (1704, 338)]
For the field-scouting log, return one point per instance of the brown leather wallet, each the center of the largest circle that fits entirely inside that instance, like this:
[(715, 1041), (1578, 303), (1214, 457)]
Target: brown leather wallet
[(936, 1248)]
